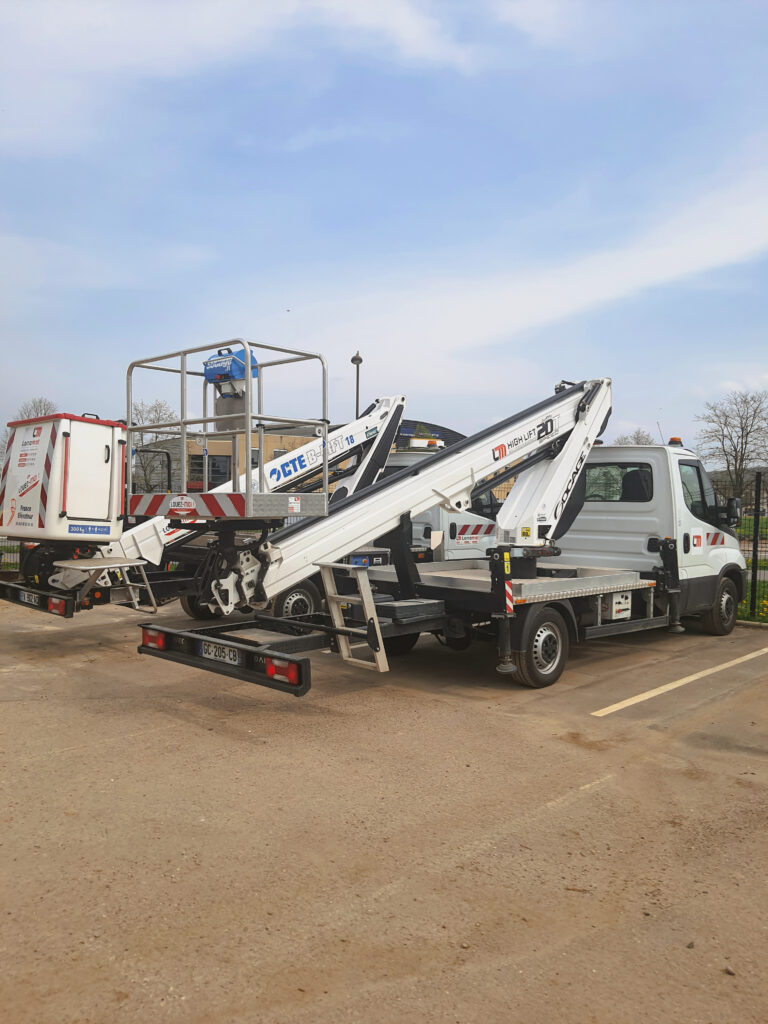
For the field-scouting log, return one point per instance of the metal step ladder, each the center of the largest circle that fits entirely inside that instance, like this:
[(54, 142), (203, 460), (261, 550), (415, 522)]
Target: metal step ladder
[(371, 635), (97, 567)]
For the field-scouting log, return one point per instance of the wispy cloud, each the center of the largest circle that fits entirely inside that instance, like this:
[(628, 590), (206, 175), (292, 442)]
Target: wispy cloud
[(30, 265), (545, 22), (61, 64), (34, 266), (435, 325), (328, 135)]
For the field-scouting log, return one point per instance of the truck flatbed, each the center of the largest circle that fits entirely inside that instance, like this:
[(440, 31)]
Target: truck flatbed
[(562, 583)]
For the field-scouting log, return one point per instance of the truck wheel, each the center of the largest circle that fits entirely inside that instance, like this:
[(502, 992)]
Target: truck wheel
[(721, 617), (303, 599), (543, 660), (195, 608), (397, 645)]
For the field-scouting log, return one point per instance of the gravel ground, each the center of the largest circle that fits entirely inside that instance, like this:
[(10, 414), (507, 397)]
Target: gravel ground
[(433, 845)]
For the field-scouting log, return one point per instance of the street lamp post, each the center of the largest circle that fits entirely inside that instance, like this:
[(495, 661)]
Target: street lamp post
[(356, 360)]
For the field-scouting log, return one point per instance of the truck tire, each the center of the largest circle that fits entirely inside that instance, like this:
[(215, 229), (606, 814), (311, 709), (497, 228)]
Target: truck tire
[(303, 599), (721, 617), (395, 646), (195, 609), (543, 660)]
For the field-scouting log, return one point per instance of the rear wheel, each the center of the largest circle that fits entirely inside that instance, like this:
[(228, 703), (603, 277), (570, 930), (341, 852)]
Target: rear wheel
[(543, 660), (397, 645), (721, 617), (303, 599), (195, 608)]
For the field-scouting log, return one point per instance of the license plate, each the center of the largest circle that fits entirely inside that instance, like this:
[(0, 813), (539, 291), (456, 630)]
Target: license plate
[(219, 652), (26, 598)]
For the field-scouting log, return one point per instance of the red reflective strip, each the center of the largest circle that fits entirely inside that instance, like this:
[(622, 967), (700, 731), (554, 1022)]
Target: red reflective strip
[(238, 500), (476, 530), (7, 459), (64, 479), (154, 504), (463, 530), (489, 529), (212, 505), (509, 598), (133, 503), (6, 466)]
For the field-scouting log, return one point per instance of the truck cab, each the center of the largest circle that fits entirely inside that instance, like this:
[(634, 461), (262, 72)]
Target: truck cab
[(638, 495)]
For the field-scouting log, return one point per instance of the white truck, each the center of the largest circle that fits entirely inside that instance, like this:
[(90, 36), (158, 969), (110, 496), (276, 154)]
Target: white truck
[(634, 495), (590, 542)]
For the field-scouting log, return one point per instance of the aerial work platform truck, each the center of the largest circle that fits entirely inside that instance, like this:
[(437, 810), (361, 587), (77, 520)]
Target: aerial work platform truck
[(531, 594), (590, 542)]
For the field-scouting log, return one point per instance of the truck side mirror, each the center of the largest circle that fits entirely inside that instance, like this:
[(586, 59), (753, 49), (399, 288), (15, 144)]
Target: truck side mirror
[(733, 511)]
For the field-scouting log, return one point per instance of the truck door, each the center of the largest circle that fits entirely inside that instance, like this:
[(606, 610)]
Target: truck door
[(703, 543)]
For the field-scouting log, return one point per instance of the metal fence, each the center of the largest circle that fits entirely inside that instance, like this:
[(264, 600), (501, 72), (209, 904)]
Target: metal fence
[(9, 554), (752, 532)]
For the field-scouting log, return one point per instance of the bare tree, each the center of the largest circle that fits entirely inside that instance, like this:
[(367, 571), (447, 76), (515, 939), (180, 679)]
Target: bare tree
[(149, 468), (29, 410), (734, 434), (638, 436)]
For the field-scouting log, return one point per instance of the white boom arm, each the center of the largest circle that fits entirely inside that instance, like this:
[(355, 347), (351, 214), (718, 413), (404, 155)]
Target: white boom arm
[(564, 427), (372, 433)]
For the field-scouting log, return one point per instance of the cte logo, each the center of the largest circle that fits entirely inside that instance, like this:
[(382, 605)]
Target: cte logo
[(287, 468)]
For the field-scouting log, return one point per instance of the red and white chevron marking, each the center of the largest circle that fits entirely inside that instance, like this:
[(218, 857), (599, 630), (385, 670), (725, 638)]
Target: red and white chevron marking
[(4, 472), (192, 506), (510, 601), (716, 540), (46, 475), (470, 532)]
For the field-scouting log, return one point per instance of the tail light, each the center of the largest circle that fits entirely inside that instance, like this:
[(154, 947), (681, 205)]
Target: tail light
[(283, 671), (153, 638), (57, 605)]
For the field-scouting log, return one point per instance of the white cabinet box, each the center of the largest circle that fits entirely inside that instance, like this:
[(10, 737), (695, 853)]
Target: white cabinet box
[(63, 479)]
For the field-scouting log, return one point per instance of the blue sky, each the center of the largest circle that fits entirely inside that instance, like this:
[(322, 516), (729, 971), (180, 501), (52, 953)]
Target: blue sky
[(483, 196)]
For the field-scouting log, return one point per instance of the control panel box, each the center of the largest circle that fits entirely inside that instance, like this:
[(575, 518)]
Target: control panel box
[(63, 479), (615, 607)]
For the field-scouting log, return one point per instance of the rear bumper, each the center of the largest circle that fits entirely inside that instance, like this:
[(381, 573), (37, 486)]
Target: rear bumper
[(261, 664), (29, 597)]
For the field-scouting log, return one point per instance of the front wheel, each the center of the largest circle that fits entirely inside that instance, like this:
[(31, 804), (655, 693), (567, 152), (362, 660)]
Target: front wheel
[(721, 617), (543, 660), (303, 599)]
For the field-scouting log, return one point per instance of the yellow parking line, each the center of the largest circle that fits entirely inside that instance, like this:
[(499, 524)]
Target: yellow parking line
[(673, 686)]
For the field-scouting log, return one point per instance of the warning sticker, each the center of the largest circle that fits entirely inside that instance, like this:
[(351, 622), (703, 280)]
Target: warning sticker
[(294, 504)]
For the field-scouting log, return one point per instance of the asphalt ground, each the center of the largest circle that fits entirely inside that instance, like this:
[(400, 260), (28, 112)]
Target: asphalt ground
[(434, 844)]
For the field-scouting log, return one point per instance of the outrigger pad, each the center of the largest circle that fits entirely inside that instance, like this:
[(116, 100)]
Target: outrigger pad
[(411, 610)]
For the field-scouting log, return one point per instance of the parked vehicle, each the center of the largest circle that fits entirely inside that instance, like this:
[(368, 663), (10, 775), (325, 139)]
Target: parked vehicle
[(589, 543)]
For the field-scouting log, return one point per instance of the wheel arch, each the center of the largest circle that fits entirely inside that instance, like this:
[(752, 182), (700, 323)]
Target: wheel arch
[(737, 575), (521, 624)]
